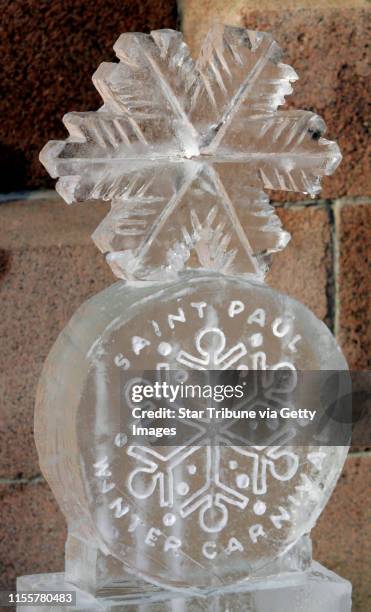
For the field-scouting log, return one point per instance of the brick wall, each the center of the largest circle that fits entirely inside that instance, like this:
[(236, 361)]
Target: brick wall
[(49, 50), (48, 265)]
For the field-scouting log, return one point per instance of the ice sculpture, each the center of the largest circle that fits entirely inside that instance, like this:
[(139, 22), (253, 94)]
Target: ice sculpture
[(183, 151)]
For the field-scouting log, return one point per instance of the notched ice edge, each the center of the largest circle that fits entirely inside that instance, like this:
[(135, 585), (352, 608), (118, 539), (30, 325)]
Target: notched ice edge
[(184, 149)]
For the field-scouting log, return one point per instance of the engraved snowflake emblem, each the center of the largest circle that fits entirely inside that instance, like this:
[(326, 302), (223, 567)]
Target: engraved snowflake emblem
[(168, 472), (183, 151)]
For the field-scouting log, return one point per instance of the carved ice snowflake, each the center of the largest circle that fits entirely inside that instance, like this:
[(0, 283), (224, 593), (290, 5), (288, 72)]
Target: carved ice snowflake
[(183, 150)]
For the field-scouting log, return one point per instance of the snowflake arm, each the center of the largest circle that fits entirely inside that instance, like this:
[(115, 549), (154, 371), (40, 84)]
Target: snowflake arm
[(238, 69)]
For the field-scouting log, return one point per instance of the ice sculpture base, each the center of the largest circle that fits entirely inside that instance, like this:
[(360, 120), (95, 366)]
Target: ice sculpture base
[(316, 590)]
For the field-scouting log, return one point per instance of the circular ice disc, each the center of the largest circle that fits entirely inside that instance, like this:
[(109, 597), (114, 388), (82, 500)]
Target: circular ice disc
[(198, 514)]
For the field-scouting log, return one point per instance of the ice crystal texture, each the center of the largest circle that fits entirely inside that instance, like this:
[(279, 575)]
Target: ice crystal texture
[(183, 151)]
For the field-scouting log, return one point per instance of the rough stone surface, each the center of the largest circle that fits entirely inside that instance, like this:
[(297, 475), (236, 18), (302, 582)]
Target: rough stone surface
[(35, 531), (327, 44), (49, 53), (196, 17), (50, 269), (342, 537), (353, 222), (303, 268)]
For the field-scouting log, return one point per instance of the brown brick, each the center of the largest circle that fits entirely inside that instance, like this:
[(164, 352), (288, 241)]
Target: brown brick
[(49, 52), (327, 44), (32, 532), (303, 268), (196, 17), (353, 222), (342, 537), (51, 268)]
